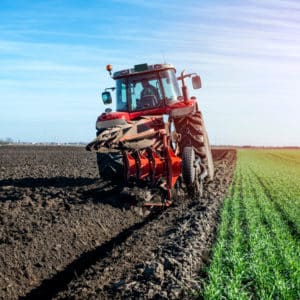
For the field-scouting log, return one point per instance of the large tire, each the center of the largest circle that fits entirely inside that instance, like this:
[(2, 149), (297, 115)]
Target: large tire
[(188, 170), (191, 130), (193, 134), (110, 166)]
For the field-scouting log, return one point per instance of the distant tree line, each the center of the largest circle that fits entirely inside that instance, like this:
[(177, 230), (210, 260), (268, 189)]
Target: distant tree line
[(6, 141)]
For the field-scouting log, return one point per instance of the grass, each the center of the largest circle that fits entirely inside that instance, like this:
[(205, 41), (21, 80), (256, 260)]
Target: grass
[(257, 252)]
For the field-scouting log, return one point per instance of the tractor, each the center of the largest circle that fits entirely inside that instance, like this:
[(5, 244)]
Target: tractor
[(156, 139)]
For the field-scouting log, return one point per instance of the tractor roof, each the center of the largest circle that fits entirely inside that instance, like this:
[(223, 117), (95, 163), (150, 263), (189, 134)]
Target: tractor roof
[(142, 68)]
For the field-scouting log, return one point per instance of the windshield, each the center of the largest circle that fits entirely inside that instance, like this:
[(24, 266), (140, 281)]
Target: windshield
[(146, 91), (170, 85)]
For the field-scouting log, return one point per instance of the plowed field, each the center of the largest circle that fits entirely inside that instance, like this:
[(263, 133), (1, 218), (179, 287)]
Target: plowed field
[(67, 234)]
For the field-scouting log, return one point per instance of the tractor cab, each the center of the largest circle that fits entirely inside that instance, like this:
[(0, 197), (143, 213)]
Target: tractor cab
[(145, 88)]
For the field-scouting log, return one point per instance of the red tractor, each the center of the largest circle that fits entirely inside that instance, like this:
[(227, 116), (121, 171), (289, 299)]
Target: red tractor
[(156, 139)]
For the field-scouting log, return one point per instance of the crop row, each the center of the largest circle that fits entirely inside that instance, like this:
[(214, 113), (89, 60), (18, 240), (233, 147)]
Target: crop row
[(256, 254)]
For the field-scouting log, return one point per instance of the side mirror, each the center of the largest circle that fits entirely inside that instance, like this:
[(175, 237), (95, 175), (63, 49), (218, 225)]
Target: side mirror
[(196, 81), (106, 98)]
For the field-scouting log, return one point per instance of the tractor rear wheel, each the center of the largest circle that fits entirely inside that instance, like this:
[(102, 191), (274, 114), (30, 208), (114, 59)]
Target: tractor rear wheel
[(193, 133)]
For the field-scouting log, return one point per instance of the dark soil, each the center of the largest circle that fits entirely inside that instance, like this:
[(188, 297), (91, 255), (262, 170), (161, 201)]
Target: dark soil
[(67, 234)]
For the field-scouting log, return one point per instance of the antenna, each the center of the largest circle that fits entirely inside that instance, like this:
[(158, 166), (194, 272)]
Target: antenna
[(163, 55)]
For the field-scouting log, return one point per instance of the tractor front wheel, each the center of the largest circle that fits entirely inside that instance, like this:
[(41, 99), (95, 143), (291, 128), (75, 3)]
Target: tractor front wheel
[(110, 166), (188, 170), (191, 171)]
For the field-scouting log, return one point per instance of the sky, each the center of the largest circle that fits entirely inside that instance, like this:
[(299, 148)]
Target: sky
[(53, 56)]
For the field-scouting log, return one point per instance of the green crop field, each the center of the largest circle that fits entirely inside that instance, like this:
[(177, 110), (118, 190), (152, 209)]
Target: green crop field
[(257, 251)]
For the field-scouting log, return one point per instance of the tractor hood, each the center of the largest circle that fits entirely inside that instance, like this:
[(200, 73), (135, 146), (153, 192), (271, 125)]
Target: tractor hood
[(111, 119)]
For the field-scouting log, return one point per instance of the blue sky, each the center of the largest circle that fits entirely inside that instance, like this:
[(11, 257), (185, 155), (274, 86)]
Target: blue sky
[(53, 56)]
